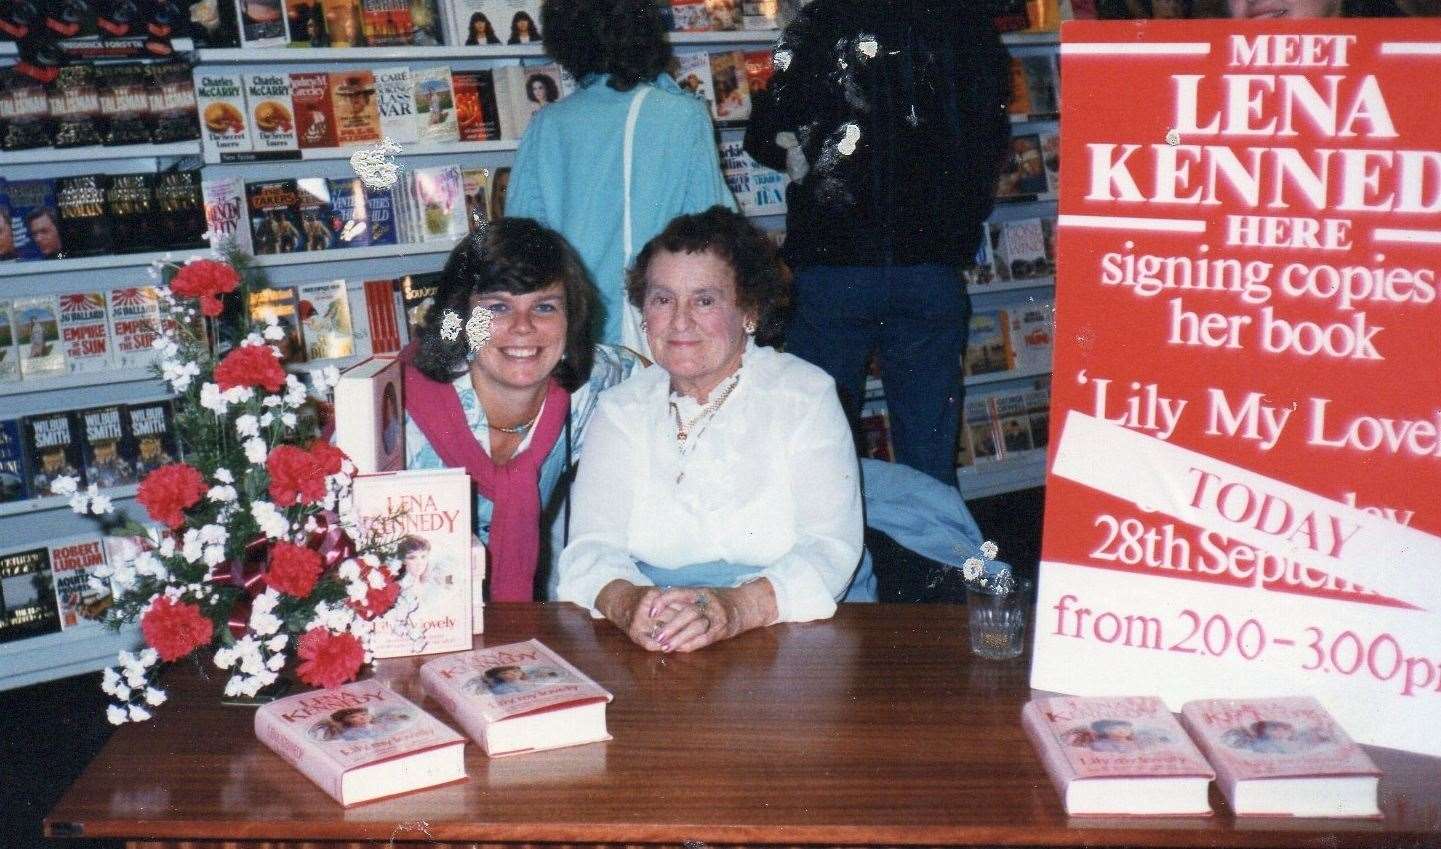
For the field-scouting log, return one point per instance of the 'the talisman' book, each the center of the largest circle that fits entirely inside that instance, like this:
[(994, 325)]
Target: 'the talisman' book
[(27, 595), (1283, 756), (85, 331), (1118, 756), (79, 594), (52, 442), (426, 514), (361, 741), (519, 697), (369, 427)]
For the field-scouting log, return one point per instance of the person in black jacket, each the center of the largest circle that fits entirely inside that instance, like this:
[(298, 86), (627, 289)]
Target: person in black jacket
[(890, 117)]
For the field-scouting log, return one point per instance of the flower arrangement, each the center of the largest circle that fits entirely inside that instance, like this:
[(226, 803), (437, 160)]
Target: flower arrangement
[(252, 554)]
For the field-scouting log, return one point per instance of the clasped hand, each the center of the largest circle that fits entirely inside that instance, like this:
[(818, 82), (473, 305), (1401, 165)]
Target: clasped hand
[(683, 619)]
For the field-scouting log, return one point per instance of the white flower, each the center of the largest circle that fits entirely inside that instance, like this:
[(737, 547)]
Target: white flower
[(255, 450), (274, 332), (214, 535), (327, 378), (266, 601), (247, 426), (272, 523), (252, 340), (124, 578), (266, 419), (222, 494), (192, 548), (64, 485), (239, 394), (989, 550), (122, 692), (225, 658), (356, 591), (109, 680), (275, 663), (167, 546), (138, 713), (868, 46), (100, 505), (117, 715), (972, 568), (264, 624), (271, 401), (211, 398), (135, 679), (377, 580), (232, 687), (149, 657), (214, 555), (80, 503), (154, 697), (287, 419), (277, 642), (224, 475)]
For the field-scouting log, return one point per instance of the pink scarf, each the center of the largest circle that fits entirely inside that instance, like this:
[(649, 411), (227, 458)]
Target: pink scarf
[(514, 488)]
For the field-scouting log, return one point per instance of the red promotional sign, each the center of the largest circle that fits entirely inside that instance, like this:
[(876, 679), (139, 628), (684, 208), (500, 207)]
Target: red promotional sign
[(1244, 494)]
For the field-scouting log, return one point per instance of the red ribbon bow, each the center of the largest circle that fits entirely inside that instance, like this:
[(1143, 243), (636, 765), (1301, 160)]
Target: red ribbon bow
[(248, 575)]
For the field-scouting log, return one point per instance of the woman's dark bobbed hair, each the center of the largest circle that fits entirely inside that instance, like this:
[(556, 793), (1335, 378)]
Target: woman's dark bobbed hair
[(763, 283), (623, 38), (519, 256)]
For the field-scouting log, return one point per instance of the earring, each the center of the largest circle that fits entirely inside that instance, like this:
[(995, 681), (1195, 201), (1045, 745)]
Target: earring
[(750, 328), (644, 325)]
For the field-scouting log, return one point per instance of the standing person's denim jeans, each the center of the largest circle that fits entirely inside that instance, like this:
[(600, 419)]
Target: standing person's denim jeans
[(917, 318)]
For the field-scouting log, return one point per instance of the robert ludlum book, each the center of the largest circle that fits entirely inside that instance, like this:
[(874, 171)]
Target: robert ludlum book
[(37, 325), (134, 324), (369, 427), (27, 595), (394, 92), (53, 445), (84, 331), (1283, 757), (426, 513), (151, 427), (325, 316), (361, 741), (518, 697), (106, 448), (221, 101), (1124, 755), (267, 100), (80, 595)]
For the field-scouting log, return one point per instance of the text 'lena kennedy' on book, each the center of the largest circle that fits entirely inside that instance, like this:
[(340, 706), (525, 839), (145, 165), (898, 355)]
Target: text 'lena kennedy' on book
[(332, 700), (405, 514)]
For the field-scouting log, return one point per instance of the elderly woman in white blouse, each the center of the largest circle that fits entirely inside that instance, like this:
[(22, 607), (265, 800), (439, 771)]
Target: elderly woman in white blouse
[(718, 489)]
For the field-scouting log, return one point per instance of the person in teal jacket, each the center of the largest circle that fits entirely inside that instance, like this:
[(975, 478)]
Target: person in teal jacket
[(572, 172)]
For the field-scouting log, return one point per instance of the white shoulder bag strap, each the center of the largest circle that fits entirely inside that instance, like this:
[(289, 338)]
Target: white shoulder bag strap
[(631, 334)]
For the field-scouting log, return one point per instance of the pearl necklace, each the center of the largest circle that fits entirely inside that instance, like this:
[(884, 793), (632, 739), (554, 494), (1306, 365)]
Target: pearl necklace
[(684, 429)]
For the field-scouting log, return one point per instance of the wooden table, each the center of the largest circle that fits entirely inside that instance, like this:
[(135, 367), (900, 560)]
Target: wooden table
[(875, 728)]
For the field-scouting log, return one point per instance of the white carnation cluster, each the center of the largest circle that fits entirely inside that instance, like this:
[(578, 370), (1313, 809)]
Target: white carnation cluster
[(130, 685), (89, 501)]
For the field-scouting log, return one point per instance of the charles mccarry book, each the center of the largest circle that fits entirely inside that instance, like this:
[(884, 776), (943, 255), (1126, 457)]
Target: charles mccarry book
[(27, 595), (80, 596), (518, 697), (1109, 756), (267, 102), (14, 479), (427, 513), (1283, 756), (106, 447), (52, 443), (361, 741), (151, 427), (220, 99)]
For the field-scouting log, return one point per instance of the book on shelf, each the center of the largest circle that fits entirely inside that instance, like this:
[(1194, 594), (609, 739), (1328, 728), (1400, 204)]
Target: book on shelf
[(1051, 157), (1284, 756), (220, 100), (274, 217), (380, 216), (171, 94), (758, 189), (387, 23), (1039, 77), (314, 114), (759, 70), (130, 201), (34, 221), (80, 595), (9, 345), (417, 292), (314, 208), (760, 14), (124, 104), (692, 72), (518, 697), (37, 331), (427, 25), (179, 210), (981, 270), (85, 228), (14, 477), (980, 433), (1005, 424), (1023, 173), (134, 324), (107, 448), (7, 227), (988, 345), (262, 23), (522, 91), (493, 22), (26, 121), (151, 427), (350, 221), (302, 25), (226, 215), (361, 741), (730, 86), (369, 426), (75, 119), (380, 311), (499, 183), (1118, 756), (426, 512), (1019, 106), (395, 98), (324, 311), (356, 107), (1031, 329), (435, 117), (477, 112), (343, 24), (268, 106), (439, 203), (27, 595), (475, 182), (282, 304)]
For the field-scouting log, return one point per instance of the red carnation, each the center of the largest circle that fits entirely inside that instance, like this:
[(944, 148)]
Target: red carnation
[(169, 490), (175, 629), (206, 279), (293, 569), (250, 365), (327, 456), (295, 476), (328, 659), (378, 602)]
